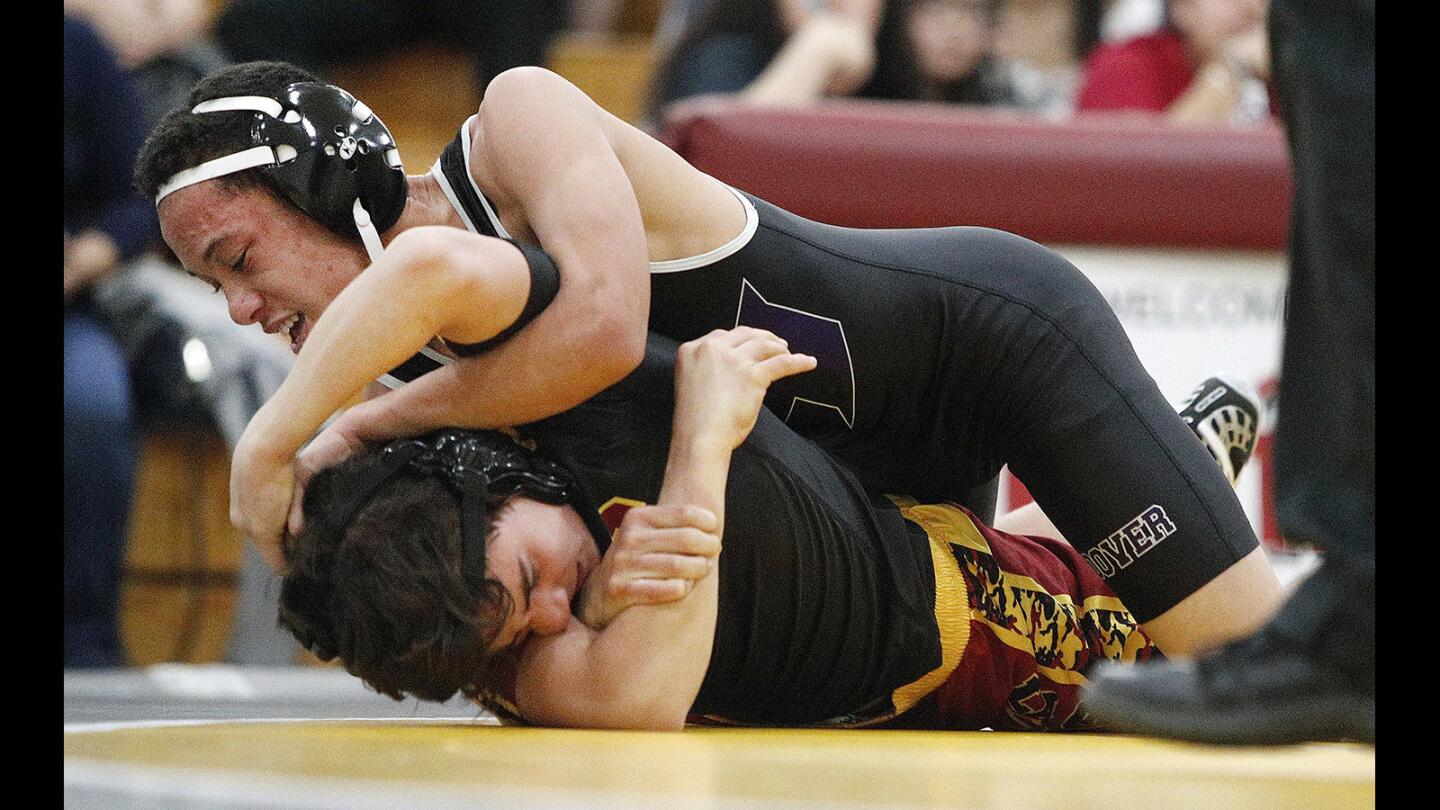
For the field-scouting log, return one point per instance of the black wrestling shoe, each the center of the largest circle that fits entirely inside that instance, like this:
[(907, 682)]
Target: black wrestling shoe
[(1308, 676), (1225, 413)]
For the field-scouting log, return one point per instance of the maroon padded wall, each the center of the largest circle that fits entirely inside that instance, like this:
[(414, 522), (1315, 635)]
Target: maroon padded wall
[(1123, 180)]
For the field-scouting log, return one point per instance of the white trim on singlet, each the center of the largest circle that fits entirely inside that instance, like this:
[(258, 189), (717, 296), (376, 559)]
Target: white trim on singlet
[(752, 222), (439, 175), (752, 217), (489, 212), (389, 381), (392, 382)]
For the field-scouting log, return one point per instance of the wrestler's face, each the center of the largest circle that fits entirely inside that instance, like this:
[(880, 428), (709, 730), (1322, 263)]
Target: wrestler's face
[(276, 266), (542, 554)]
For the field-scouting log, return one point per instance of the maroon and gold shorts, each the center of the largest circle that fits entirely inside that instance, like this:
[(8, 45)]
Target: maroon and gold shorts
[(1021, 619)]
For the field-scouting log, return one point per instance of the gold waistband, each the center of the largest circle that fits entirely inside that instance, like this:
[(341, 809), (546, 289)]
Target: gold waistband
[(944, 525)]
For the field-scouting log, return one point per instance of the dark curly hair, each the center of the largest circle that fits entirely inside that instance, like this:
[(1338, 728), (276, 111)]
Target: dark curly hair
[(183, 139), (387, 592)]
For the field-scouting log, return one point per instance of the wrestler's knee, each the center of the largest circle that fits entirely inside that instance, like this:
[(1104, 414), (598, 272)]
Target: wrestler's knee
[(1233, 604)]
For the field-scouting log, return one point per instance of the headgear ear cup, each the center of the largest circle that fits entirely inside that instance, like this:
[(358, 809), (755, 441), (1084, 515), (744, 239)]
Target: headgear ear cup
[(325, 151), (344, 153)]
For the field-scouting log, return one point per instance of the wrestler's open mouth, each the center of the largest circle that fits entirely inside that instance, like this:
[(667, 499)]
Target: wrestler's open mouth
[(298, 328)]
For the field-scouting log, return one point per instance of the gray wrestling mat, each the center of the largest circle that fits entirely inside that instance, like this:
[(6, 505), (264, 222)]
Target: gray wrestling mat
[(173, 692)]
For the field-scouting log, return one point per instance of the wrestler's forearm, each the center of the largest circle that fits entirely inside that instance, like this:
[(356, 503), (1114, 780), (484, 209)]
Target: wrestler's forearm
[(645, 668), (414, 292), (659, 654), (545, 368)]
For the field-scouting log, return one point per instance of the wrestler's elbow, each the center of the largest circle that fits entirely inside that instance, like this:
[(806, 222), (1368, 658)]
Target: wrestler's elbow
[(617, 710), (649, 716), (454, 270), (426, 258), (655, 721), (618, 344), (623, 699), (449, 253), (518, 88)]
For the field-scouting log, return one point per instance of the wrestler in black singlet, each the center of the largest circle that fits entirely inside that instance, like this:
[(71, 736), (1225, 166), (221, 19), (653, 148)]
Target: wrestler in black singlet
[(826, 596), (945, 353)]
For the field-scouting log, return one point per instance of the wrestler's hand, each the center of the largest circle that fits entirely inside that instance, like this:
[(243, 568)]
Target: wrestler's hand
[(261, 488), (657, 556), (721, 379), (331, 446)]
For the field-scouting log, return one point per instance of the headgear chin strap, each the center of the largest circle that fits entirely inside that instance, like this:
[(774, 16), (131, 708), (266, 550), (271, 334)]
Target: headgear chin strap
[(325, 151)]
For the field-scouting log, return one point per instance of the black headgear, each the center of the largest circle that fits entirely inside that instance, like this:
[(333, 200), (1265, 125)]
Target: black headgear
[(482, 468), (325, 151)]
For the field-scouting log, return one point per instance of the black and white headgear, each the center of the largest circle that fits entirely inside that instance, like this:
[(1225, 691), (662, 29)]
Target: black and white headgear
[(324, 150)]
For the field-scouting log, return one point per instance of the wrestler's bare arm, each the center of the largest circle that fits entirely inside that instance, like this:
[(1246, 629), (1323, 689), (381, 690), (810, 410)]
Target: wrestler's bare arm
[(540, 150), (645, 668), (603, 199), (419, 288)]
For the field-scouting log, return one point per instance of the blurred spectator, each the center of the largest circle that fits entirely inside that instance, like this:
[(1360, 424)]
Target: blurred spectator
[(676, 18), (595, 17), (142, 30), (185, 360), (937, 50), (164, 45), (317, 34), (1041, 46), (106, 222), (797, 51), (1208, 64)]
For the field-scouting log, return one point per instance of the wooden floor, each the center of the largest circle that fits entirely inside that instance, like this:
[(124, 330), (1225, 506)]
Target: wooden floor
[(466, 762)]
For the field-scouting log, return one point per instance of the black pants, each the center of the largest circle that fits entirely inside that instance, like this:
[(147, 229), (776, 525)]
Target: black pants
[(1323, 53)]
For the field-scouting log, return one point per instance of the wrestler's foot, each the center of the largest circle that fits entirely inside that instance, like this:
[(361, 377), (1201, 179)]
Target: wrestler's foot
[(1225, 413), (1309, 675)]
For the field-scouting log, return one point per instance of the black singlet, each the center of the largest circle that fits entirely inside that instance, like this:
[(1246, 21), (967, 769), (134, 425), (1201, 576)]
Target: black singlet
[(948, 352)]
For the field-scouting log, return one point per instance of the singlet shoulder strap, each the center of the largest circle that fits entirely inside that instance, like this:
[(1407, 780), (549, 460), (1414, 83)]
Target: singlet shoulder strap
[(424, 362), (452, 172)]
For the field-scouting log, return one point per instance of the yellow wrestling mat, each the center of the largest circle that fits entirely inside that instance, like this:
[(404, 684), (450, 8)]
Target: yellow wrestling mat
[(430, 763)]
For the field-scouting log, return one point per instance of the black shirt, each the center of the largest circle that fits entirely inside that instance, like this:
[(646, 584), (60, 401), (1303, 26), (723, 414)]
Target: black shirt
[(826, 593)]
